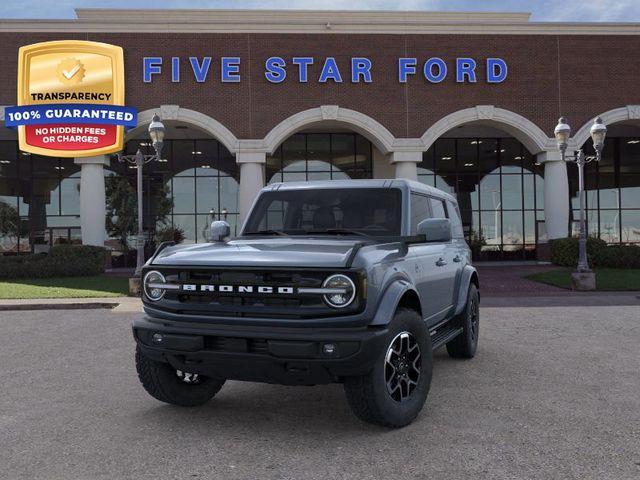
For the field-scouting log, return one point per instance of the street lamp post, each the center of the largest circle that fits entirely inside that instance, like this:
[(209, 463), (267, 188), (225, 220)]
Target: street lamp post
[(156, 133), (562, 133)]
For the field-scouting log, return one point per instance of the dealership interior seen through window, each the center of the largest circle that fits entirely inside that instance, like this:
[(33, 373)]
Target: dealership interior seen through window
[(498, 185)]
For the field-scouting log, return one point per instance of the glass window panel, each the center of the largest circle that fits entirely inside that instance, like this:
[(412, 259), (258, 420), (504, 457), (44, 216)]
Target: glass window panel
[(539, 191), (319, 176), (70, 196), (182, 163), (445, 156), (273, 166), (610, 226), (630, 226), (8, 158), (188, 225), (512, 228), (446, 184), (529, 227), (467, 192), (294, 177), (630, 191), (427, 160), (629, 155), (44, 166), (438, 209), (67, 167), (490, 192), (608, 191), (58, 221), (318, 152), (512, 192), (227, 164), (183, 195), (294, 153), (470, 223), (419, 210), (206, 152), (511, 155), (491, 227), (363, 153), (467, 153), (528, 191), (203, 227), (343, 151), (206, 197), (348, 175), (427, 179), (229, 194), (44, 197), (488, 155)]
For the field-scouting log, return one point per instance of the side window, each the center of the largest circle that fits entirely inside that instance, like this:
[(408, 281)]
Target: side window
[(419, 210), (437, 206), (456, 221)]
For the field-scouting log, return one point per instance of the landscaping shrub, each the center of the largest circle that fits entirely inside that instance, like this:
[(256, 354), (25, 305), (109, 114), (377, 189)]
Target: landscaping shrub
[(564, 252), (61, 261)]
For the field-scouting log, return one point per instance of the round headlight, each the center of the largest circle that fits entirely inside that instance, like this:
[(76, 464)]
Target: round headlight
[(345, 291), (152, 292)]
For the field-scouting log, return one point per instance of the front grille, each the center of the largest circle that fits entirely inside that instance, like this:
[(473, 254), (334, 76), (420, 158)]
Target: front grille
[(253, 304)]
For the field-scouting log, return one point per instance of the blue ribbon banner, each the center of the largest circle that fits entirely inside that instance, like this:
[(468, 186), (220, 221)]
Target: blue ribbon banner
[(70, 113)]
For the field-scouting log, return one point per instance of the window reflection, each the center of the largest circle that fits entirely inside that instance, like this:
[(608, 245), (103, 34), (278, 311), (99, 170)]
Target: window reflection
[(320, 156), (499, 191)]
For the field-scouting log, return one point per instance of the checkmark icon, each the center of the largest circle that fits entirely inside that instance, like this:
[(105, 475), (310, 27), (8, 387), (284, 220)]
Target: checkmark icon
[(71, 73)]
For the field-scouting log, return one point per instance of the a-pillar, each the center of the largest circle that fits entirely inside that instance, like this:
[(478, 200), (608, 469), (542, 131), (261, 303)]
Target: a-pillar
[(556, 194), (92, 199), (406, 164), (251, 180)]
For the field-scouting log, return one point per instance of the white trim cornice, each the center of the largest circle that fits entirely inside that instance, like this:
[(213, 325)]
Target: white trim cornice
[(310, 21)]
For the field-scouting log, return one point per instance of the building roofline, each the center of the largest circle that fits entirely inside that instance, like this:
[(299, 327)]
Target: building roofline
[(310, 21)]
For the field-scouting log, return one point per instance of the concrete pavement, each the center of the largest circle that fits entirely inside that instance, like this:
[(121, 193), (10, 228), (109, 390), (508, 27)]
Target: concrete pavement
[(553, 393)]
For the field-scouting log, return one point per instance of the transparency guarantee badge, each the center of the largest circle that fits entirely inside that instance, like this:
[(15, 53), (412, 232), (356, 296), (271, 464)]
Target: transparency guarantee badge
[(71, 99)]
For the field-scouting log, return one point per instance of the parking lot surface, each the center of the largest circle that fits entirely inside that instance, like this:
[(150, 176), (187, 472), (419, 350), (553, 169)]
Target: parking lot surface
[(553, 393)]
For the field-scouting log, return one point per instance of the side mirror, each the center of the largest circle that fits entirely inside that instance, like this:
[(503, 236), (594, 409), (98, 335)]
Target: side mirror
[(435, 229), (220, 230)]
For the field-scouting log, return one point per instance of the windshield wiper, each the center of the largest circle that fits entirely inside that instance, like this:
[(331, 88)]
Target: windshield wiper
[(338, 231), (267, 232)]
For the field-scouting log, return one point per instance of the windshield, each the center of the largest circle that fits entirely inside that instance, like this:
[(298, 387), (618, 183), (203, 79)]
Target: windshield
[(353, 211)]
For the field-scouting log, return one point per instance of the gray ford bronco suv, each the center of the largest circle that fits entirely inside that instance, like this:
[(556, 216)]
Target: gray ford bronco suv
[(354, 281)]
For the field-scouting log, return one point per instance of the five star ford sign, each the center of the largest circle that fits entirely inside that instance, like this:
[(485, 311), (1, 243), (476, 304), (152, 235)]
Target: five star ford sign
[(70, 99)]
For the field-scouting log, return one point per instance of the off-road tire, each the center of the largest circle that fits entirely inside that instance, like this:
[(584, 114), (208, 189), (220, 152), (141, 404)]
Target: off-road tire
[(466, 344), (368, 395), (162, 382)]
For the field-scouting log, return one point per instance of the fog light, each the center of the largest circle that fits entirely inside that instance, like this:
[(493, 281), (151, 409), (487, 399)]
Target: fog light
[(157, 338), (329, 348)]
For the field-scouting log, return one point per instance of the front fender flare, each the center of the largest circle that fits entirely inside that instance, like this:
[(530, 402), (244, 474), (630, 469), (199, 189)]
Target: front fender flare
[(389, 302), (468, 272)]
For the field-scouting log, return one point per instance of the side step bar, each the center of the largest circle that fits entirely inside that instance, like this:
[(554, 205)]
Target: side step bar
[(444, 335)]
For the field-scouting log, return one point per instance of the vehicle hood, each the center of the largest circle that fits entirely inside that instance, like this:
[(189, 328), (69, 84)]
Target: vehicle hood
[(261, 252)]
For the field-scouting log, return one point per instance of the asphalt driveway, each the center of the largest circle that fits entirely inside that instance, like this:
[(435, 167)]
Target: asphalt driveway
[(553, 393)]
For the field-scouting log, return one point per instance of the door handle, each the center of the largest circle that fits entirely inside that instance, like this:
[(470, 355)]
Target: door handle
[(441, 262), (457, 259)]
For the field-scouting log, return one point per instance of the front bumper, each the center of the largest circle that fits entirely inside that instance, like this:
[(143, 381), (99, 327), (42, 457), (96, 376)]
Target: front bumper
[(288, 356)]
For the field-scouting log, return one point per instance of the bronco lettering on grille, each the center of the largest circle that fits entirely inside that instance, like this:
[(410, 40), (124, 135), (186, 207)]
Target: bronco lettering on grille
[(266, 289)]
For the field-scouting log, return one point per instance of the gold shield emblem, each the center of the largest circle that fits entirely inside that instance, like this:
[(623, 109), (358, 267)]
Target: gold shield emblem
[(71, 72)]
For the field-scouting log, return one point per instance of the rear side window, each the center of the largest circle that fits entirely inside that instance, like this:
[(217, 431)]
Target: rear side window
[(419, 210), (456, 222), (438, 208)]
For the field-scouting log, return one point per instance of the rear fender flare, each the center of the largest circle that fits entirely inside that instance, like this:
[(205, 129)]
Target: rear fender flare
[(468, 273)]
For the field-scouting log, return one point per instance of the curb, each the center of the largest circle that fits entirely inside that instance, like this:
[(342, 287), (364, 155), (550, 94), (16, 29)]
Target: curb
[(57, 306)]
